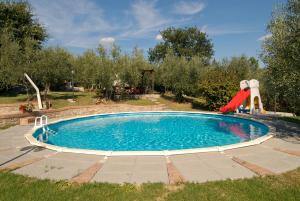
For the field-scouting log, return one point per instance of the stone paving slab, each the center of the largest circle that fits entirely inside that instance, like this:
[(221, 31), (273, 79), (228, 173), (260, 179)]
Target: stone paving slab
[(266, 157), (14, 137), (193, 169), (261, 171), (280, 143), (212, 166), (224, 166), (133, 169), (88, 174), (15, 130), (12, 155), (60, 166)]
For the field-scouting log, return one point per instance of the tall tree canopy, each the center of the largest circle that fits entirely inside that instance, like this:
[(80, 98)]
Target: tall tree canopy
[(21, 38), (184, 42), (17, 18), (281, 54)]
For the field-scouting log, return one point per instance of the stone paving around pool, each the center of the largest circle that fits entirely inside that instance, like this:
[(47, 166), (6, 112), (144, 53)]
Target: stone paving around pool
[(274, 156)]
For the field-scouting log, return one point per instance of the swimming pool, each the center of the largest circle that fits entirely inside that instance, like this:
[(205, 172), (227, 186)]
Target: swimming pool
[(151, 131)]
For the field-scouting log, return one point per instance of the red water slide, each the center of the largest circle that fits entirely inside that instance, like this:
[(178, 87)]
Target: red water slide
[(237, 100)]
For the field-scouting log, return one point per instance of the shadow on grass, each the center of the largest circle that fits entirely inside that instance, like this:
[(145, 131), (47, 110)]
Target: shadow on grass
[(64, 97), (197, 103)]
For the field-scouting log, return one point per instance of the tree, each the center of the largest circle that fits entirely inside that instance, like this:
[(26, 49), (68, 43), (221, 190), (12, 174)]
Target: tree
[(52, 68), (9, 61), (281, 54), (21, 38), (178, 75), (14, 60), (17, 18), (185, 42)]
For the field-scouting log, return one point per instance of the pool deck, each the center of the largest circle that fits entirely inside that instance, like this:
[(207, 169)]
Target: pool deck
[(279, 154)]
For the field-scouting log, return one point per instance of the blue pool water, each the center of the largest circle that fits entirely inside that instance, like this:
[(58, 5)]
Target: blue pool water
[(152, 131)]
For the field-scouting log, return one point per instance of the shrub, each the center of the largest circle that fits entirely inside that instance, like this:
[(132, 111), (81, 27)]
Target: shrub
[(217, 95)]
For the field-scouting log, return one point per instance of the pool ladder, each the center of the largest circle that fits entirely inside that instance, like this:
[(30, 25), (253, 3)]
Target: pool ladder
[(42, 122)]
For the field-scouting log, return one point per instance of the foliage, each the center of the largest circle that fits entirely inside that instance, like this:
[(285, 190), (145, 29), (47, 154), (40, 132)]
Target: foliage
[(9, 61), (187, 43), (51, 69), (216, 82), (217, 94), (20, 37), (220, 81), (104, 71), (291, 119), (16, 18), (281, 54), (177, 75), (26, 108)]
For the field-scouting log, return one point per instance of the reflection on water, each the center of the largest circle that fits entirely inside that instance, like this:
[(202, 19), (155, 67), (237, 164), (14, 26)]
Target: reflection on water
[(234, 128), (241, 130), (255, 131)]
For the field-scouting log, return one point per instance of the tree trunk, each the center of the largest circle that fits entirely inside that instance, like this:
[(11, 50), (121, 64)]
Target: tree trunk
[(47, 89)]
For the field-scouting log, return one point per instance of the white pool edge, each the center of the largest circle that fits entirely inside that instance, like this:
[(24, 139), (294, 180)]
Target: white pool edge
[(34, 141)]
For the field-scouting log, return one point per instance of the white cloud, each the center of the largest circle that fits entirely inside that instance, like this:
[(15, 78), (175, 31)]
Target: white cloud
[(189, 8), (107, 41), (226, 30), (204, 28), (72, 22), (78, 23), (147, 15), (158, 37), (147, 19), (265, 37)]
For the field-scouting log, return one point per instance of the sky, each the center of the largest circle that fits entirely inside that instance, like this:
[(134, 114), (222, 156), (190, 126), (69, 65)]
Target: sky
[(235, 27)]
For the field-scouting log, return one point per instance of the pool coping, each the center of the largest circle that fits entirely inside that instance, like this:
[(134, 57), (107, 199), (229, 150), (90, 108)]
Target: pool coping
[(34, 141)]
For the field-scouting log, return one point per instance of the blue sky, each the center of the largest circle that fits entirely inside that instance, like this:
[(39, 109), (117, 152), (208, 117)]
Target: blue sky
[(235, 26)]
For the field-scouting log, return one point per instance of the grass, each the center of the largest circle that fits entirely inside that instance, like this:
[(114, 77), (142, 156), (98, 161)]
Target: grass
[(140, 102), (172, 105), (9, 99), (58, 99), (278, 187), (291, 119), (6, 126)]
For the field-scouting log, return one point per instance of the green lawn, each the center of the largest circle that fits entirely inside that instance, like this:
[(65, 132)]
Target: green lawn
[(8, 99), (279, 187), (172, 105), (140, 102), (58, 99), (6, 126), (291, 119)]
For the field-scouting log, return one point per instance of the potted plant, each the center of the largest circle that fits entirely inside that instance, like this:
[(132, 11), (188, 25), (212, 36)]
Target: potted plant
[(22, 108), (29, 107), (26, 108)]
